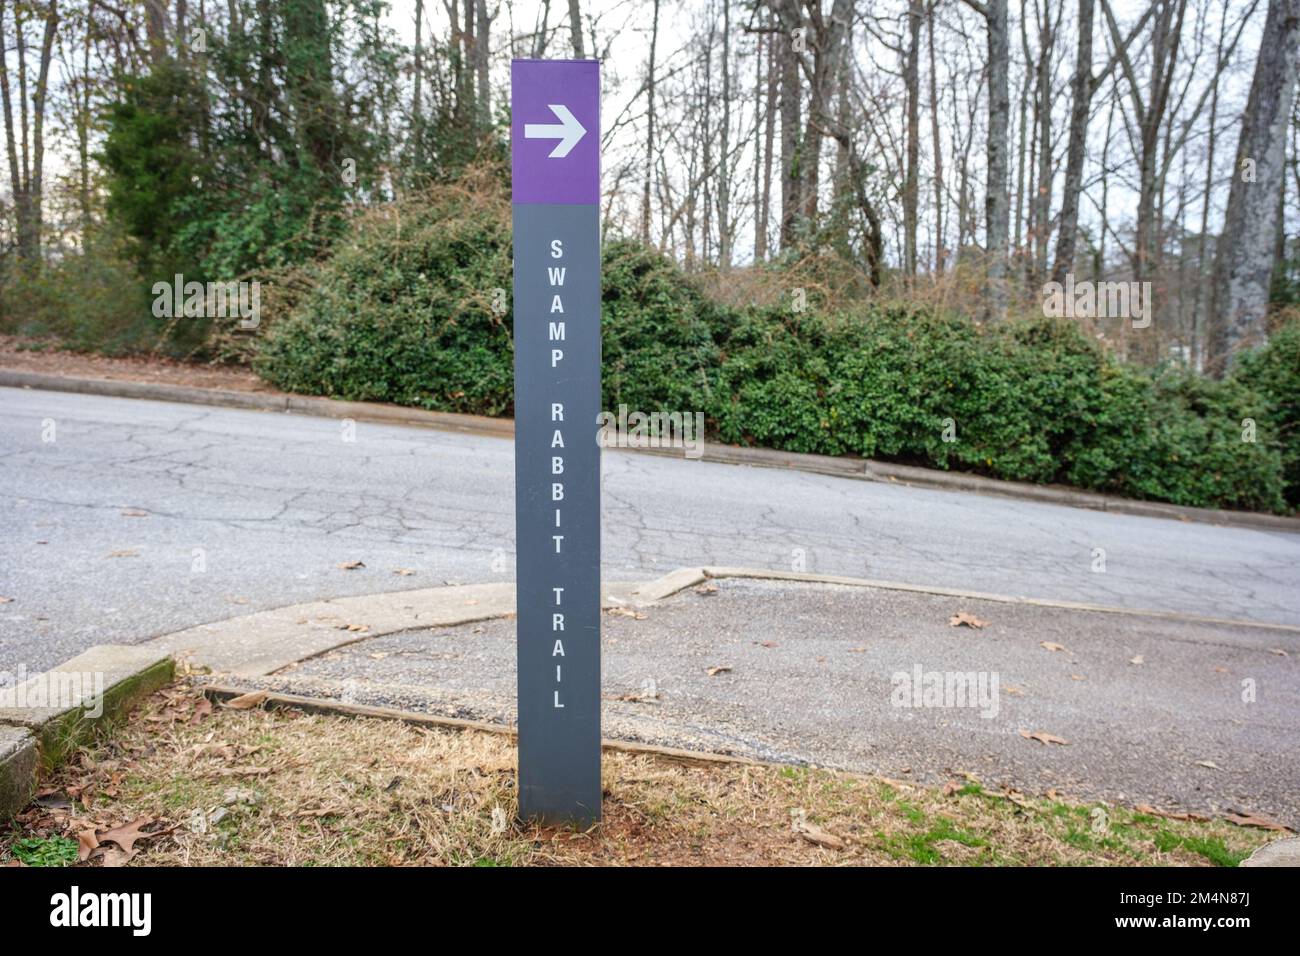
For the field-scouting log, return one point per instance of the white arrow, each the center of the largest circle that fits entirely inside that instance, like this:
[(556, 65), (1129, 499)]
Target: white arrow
[(568, 131)]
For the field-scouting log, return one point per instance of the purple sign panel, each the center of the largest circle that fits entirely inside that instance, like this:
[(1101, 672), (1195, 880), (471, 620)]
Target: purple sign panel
[(556, 151), (555, 131)]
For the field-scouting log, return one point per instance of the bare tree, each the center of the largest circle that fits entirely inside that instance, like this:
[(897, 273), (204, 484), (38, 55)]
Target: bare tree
[(1244, 261), (482, 52), (650, 128), (1084, 88), (791, 35), (724, 165), (996, 207), (912, 183), (575, 29), (27, 167)]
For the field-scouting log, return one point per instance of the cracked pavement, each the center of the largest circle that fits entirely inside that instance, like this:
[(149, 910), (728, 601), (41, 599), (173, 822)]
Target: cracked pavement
[(247, 511)]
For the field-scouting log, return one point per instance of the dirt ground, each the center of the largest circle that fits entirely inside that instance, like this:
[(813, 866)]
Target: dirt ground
[(185, 781), (28, 355)]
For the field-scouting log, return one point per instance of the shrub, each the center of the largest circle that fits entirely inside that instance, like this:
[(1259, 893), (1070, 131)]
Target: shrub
[(88, 299), (402, 311), (1273, 373)]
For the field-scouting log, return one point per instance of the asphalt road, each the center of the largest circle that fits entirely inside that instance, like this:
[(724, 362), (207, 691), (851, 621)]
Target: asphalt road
[(124, 519), (1203, 717)]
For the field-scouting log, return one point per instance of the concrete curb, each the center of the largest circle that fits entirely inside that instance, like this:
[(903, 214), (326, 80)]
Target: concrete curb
[(856, 468), (683, 578), (1284, 852), (255, 645), (37, 734), (262, 643)]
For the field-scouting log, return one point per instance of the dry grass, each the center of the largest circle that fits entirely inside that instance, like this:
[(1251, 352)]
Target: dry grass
[(279, 787)]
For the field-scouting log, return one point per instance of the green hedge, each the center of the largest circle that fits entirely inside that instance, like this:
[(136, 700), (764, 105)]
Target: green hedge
[(403, 312)]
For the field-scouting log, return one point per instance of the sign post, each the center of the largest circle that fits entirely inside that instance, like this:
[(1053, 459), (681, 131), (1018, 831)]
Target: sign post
[(555, 152)]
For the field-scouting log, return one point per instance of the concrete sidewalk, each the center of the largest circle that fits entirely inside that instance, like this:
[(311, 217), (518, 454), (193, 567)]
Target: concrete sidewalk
[(1174, 713)]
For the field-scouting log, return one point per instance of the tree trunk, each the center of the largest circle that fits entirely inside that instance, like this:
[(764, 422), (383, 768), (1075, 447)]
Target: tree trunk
[(724, 157), (575, 30), (996, 207), (769, 145), (787, 13), (1043, 194), (650, 129), (417, 107), (912, 182), (940, 253), (1080, 109), (482, 51), (1244, 260)]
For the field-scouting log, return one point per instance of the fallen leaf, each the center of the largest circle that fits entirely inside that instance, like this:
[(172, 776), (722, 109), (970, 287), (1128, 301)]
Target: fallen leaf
[(1170, 814), (126, 835), (134, 513), (709, 587), (1222, 670), (1077, 677), (627, 612), (634, 698), (720, 669), (202, 708), (1208, 764), (87, 842), (767, 643), (404, 572), (1050, 646), (1043, 737), (950, 788), (1256, 821), (857, 650), (248, 701), (378, 655), (351, 565), (6, 600), (961, 618), (1278, 651), (1136, 660), (1014, 691), (817, 836)]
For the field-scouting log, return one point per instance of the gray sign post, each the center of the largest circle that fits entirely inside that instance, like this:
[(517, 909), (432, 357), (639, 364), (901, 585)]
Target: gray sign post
[(555, 150)]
